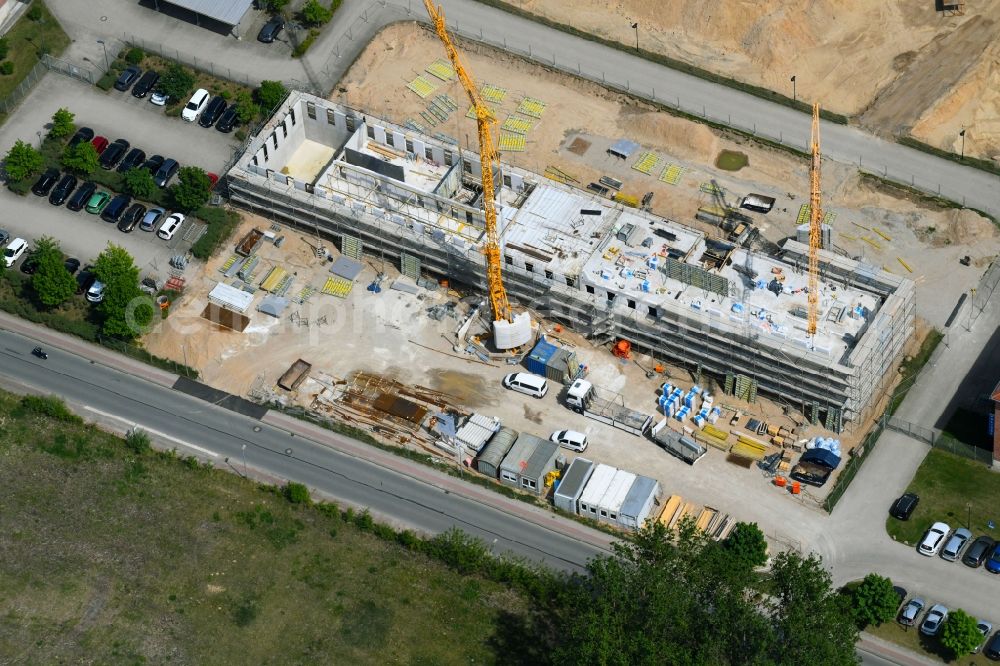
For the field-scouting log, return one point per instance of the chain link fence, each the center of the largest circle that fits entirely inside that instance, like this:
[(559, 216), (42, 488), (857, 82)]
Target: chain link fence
[(940, 440), (10, 102), (850, 470), (140, 354)]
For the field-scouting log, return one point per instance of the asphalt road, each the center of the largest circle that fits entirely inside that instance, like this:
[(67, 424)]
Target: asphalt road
[(197, 428)]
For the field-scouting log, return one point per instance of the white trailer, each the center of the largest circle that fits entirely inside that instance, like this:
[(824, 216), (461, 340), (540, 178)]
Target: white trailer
[(583, 397), (674, 442)]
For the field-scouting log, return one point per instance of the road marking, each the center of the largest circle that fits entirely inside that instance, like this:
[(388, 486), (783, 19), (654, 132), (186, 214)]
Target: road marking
[(151, 431)]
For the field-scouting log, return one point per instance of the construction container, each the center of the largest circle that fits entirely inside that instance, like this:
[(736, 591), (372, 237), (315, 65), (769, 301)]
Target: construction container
[(594, 491), (493, 453), (527, 462), (570, 488), (610, 504), (552, 362), (639, 502)]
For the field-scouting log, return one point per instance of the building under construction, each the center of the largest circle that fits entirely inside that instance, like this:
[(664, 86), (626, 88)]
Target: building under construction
[(606, 270)]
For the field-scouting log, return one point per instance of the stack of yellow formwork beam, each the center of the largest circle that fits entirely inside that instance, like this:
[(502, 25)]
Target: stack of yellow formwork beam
[(274, 278), (669, 509), (747, 447), (705, 518), (715, 437), (337, 286)]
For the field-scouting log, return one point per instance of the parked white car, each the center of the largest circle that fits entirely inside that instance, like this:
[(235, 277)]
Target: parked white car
[(14, 251), (569, 439), (195, 105), (170, 226), (933, 539)]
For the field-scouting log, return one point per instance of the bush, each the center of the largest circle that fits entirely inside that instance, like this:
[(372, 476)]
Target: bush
[(313, 13), (296, 493), (107, 81), (62, 123), (176, 82), (134, 56), (465, 553), (270, 94), (34, 13), (139, 183), (303, 46), (51, 406), (4, 48), (23, 161), (137, 441), (6, 68)]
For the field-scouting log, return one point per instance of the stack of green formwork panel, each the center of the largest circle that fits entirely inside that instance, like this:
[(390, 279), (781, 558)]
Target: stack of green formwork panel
[(351, 247)]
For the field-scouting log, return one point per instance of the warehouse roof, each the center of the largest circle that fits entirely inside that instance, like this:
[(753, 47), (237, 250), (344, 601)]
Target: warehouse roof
[(229, 12)]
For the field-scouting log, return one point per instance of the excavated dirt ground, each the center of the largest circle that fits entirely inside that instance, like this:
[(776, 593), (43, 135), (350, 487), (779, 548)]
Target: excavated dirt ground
[(898, 64), (929, 240)]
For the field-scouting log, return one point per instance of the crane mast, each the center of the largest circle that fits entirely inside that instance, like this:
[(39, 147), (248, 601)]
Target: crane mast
[(815, 225), (488, 157)]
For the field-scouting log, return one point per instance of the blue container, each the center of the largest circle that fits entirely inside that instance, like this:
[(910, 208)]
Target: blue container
[(538, 359)]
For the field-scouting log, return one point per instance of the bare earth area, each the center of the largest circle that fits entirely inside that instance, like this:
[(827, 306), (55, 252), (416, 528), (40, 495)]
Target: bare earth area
[(897, 64)]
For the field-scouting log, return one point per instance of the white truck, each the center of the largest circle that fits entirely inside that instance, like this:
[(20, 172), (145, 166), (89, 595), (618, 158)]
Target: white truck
[(677, 443), (582, 397)]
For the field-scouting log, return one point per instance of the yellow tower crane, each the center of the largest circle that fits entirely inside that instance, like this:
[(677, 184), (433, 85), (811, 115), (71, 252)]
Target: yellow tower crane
[(488, 158), (815, 225)]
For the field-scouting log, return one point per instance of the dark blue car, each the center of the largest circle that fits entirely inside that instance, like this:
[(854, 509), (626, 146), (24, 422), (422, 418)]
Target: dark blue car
[(993, 563)]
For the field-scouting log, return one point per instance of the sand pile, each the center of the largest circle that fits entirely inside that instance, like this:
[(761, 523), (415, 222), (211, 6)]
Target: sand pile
[(966, 227), (686, 140)]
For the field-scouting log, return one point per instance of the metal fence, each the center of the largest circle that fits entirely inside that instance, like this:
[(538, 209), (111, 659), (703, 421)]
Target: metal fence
[(85, 74), (10, 102), (853, 465), (191, 60), (140, 354), (940, 440)]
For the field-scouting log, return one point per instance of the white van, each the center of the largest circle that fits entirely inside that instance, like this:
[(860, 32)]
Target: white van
[(570, 439), (195, 105), (527, 383), (170, 227)]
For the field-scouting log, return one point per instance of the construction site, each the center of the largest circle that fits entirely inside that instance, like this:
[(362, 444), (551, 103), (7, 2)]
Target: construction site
[(389, 275)]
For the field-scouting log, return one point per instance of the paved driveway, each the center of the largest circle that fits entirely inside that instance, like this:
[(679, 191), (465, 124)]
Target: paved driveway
[(113, 115)]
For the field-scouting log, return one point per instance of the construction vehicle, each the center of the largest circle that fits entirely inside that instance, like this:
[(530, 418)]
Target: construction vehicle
[(582, 397), (815, 226), (509, 330)]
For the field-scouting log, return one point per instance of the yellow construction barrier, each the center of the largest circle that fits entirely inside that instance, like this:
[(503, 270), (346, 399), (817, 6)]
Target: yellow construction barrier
[(530, 106), (517, 125), (904, 264), (273, 278), (871, 242), (421, 86), (338, 286), (647, 162), (492, 93), (511, 143), (881, 233), (671, 174), (441, 69)]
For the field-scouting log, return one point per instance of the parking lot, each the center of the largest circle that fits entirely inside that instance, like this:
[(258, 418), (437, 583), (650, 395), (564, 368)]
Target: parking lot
[(113, 115)]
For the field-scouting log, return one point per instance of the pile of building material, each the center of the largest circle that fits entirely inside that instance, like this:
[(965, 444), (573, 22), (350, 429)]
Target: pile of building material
[(711, 521)]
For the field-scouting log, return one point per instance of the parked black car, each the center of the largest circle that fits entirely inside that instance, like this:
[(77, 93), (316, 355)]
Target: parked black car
[(903, 507), (62, 191), (145, 83), (45, 182), (84, 279), (153, 164), (30, 264), (131, 217), (116, 208), (271, 30), (992, 649), (135, 158), (127, 78), (71, 265), (228, 120), (81, 196), (114, 153), (216, 107), (83, 135), (977, 553), (166, 172)]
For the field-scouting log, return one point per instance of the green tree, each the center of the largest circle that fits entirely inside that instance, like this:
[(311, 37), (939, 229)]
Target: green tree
[(176, 82), (139, 183), (192, 190), (134, 55), (62, 123), (274, 5), (81, 158), (270, 94), (22, 161), (875, 601), (52, 282), (35, 13), (313, 13), (125, 309), (246, 108), (959, 633), (747, 545), (804, 608)]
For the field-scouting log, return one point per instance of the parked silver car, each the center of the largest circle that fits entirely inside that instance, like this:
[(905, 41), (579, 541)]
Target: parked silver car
[(934, 620), (911, 611), (953, 547)]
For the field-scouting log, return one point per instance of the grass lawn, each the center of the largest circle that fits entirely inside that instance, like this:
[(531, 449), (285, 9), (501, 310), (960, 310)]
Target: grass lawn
[(111, 556), (27, 41), (912, 639), (946, 483)]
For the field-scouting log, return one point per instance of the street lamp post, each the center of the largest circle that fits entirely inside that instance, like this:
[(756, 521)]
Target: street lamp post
[(107, 65), (794, 97), (968, 523), (635, 26), (39, 133), (962, 134), (244, 461)]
